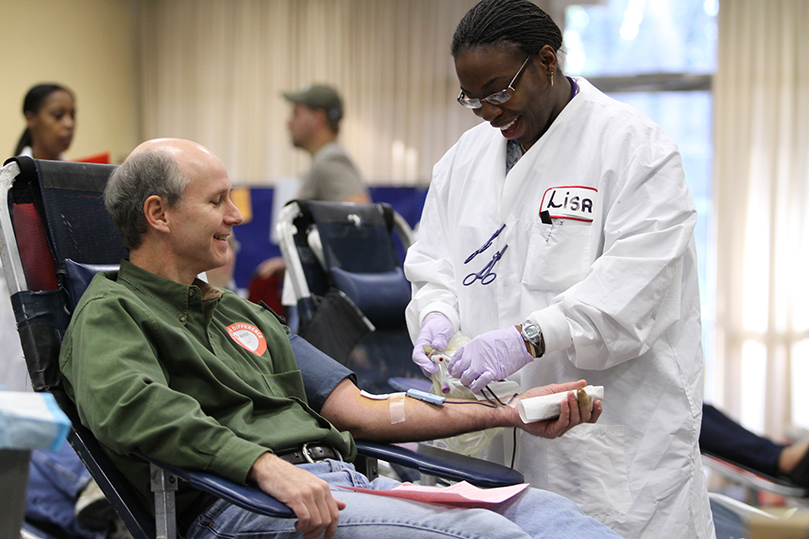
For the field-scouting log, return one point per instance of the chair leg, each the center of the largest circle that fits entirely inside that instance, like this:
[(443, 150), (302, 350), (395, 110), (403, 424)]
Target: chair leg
[(14, 484), (164, 485)]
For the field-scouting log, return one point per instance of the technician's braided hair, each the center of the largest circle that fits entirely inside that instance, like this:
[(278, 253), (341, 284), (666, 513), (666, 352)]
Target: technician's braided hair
[(519, 22)]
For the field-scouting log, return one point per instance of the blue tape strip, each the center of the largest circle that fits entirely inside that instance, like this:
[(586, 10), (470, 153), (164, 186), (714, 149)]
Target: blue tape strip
[(426, 397)]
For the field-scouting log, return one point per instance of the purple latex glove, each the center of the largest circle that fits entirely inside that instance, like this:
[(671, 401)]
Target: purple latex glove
[(489, 357), (436, 331)]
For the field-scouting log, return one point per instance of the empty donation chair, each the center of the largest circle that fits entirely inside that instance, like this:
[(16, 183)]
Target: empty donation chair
[(344, 264), (55, 234)]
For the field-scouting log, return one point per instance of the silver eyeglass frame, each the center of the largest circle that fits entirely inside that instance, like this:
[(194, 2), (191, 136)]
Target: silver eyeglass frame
[(497, 98)]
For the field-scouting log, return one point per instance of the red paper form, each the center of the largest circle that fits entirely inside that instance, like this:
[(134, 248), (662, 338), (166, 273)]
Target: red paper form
[(459, 495)]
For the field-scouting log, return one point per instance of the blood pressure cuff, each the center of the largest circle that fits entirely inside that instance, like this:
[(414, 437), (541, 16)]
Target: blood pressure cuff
[(321, 374)]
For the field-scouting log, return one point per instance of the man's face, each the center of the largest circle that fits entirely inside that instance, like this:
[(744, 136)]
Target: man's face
[(303, 124), (204, 218)]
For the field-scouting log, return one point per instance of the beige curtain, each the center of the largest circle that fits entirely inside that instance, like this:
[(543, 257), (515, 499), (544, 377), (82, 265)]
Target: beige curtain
[(761, 96), (213, 71)]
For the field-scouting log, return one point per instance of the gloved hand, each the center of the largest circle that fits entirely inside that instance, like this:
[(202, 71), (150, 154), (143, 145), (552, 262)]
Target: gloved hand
[(489, 357), (436, 331)]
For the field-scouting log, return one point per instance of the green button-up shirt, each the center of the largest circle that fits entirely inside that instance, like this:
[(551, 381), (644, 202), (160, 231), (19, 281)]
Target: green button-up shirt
[(190, 375)]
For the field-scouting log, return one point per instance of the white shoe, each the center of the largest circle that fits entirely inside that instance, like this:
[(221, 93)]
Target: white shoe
[(93, 509)]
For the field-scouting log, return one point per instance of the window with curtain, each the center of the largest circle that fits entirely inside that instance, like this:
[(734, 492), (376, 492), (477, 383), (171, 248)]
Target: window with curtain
[(687, 64), (761, 186), (659, 56), (214, 72)]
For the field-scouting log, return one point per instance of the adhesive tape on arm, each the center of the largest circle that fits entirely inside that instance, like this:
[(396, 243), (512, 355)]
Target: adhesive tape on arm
[(549, 406), (397, 408)]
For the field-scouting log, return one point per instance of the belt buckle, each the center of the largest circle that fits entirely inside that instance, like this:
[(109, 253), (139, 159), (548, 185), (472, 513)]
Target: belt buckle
[(307, 454)]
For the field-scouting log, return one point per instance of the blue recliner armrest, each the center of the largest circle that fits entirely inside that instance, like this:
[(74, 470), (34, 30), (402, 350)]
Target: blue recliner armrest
[(753, 479), (427, 459), (445, 464), (250, 498)]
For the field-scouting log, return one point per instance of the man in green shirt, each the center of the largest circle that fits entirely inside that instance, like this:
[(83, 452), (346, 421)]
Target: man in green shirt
[(161, 363)]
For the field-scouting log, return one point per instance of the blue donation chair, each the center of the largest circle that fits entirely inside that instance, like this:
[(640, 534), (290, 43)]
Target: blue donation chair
[(753, 481), (55, 234), (344, 265)]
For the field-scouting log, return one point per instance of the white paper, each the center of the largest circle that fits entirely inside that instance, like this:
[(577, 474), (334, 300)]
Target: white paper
[(549, 406), (459, 495)]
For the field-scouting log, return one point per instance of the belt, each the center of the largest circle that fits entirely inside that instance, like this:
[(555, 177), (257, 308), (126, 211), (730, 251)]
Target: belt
[(308, 452)]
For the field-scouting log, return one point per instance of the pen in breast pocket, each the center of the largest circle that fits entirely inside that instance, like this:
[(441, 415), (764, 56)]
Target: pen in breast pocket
[(545, 217)]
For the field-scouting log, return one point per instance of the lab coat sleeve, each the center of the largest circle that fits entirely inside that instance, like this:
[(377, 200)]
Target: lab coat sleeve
[(427, 265), (632, 293)]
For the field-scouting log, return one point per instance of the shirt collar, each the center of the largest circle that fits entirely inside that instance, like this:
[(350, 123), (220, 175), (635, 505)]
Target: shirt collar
[(175, 295)]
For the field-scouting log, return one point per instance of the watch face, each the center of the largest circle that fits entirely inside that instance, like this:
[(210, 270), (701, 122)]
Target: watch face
[(531, 331)]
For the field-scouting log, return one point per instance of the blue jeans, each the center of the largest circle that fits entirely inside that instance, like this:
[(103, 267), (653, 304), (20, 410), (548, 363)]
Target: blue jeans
[(534, 513), (55, 479)]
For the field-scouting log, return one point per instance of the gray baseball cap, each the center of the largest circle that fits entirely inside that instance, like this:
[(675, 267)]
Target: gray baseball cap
[(318, 96)]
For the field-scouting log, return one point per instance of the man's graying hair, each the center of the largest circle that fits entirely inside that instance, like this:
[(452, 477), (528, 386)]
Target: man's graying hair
[(495, 22), (142, 175)]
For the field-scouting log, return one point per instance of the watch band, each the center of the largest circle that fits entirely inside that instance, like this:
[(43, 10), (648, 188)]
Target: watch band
[(532, 334), (531, 348)]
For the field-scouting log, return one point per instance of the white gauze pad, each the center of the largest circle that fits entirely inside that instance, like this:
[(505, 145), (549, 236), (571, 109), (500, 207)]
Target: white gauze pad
[(549, 406)]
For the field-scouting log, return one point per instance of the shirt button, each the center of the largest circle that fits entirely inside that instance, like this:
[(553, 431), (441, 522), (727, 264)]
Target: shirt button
[(191, 292), (182, 319)]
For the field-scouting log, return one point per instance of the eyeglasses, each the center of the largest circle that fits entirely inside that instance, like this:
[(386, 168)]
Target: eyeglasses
[(497, 98)]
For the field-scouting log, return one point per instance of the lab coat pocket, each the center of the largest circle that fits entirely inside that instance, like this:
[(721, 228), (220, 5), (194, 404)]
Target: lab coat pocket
[(558, 256), (588, 465)]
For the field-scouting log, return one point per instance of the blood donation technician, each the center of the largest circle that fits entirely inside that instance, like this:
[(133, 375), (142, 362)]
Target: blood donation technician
[(559, 235)]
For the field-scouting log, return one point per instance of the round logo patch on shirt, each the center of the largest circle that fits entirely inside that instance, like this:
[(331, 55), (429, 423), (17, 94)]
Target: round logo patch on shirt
[(248, 337)]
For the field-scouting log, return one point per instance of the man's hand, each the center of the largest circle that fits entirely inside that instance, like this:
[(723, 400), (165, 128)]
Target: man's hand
[(270, 267), (572, 412), (308, 496), (436, 331)]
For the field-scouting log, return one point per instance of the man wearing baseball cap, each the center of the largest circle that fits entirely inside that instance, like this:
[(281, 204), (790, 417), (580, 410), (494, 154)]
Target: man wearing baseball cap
[(317, 110), (314, 126)]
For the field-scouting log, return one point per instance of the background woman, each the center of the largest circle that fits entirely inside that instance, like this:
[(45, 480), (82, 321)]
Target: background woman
[(50, 111), (62, 497)]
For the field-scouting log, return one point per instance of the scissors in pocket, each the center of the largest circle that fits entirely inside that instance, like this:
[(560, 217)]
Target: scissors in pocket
[(486, 275)]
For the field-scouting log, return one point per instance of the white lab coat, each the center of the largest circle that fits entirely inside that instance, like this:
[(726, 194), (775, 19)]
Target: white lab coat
[(612, 282)]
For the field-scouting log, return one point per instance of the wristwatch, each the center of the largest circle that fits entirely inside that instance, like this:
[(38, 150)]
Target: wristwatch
[(533, 334)]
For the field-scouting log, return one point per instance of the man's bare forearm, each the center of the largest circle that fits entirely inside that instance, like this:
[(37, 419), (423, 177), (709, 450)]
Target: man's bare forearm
[(414, 420), (370, 419)]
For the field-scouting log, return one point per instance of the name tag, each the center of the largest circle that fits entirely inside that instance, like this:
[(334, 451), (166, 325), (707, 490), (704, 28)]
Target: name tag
[(572, 202)]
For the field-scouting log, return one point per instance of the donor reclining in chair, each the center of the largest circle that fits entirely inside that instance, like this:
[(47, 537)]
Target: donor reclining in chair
[(163, 364)]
